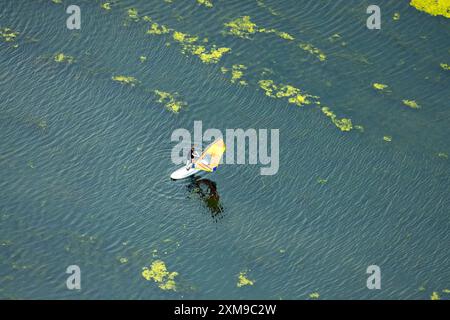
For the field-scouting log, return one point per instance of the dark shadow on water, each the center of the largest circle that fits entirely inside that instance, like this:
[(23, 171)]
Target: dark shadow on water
[(206, 190)]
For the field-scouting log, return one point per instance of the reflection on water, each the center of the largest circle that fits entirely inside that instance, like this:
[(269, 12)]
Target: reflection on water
[(206, 190)]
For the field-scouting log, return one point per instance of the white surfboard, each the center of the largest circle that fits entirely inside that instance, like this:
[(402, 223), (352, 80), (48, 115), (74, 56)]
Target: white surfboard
[(183, 173)]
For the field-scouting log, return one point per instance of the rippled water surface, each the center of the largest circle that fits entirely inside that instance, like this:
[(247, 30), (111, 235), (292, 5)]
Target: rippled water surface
[(85, 161)]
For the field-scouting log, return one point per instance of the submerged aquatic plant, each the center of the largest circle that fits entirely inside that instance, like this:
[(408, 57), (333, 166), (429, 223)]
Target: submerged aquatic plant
[(61, 57), (313, 50), (243, 280), (294, 95), (411, 103), (433, 7), (158, 273), (343, 124), (126, 80), (170, 101)]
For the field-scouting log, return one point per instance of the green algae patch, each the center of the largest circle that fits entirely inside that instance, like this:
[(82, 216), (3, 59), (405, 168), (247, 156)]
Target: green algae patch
[(241, 27), (343, 124), (445, 66), (285, 36), (432, 7), (446, 291), (435, 296), (387, 138), (211, 56), (57, 1), (442, 155), (243, 280), (322, 181), (61, 57), (360, 128), (380, 86), (294, 95), (170, 101), (123, 260), (126, 80), (314, 295), (205, 3), (396, 16), (411, 103), (158, 273), (106, 6), (133, 14), (184, 37), (158, 29), (143, 59), (237, 73), (313, 50), (8, 35)]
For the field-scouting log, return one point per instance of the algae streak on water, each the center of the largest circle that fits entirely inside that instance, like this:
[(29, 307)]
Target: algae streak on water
[(294, 95), (343, 124), (433, 7)]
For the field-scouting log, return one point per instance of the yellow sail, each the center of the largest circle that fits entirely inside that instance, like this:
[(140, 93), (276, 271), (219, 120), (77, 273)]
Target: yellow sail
[(210, 158)]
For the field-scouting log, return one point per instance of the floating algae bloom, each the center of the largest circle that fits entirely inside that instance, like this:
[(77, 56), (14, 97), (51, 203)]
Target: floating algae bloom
[(380, 86), (433, 7), (396, 16), (243, 27), (170, 101), (344, 124), (106, 6), (236, 73), (57, 1), (445, 66), (313, 50), (411, 103), (155, 28), (293, 94), (126, 80), (158, 273), (387, 138), (123, 260), (61, 57), (133, 14), (435, 296), (314, 295), (243, 280), (143, 58), (206, 3), (8, 35)]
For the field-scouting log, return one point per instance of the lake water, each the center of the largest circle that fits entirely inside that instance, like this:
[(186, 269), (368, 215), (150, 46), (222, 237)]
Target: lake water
[(85, 160)]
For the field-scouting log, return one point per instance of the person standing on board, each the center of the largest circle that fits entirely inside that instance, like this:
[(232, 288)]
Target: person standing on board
[(190, 161)]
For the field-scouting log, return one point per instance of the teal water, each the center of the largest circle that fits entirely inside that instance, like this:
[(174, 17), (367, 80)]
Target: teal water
[(85, 161)]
